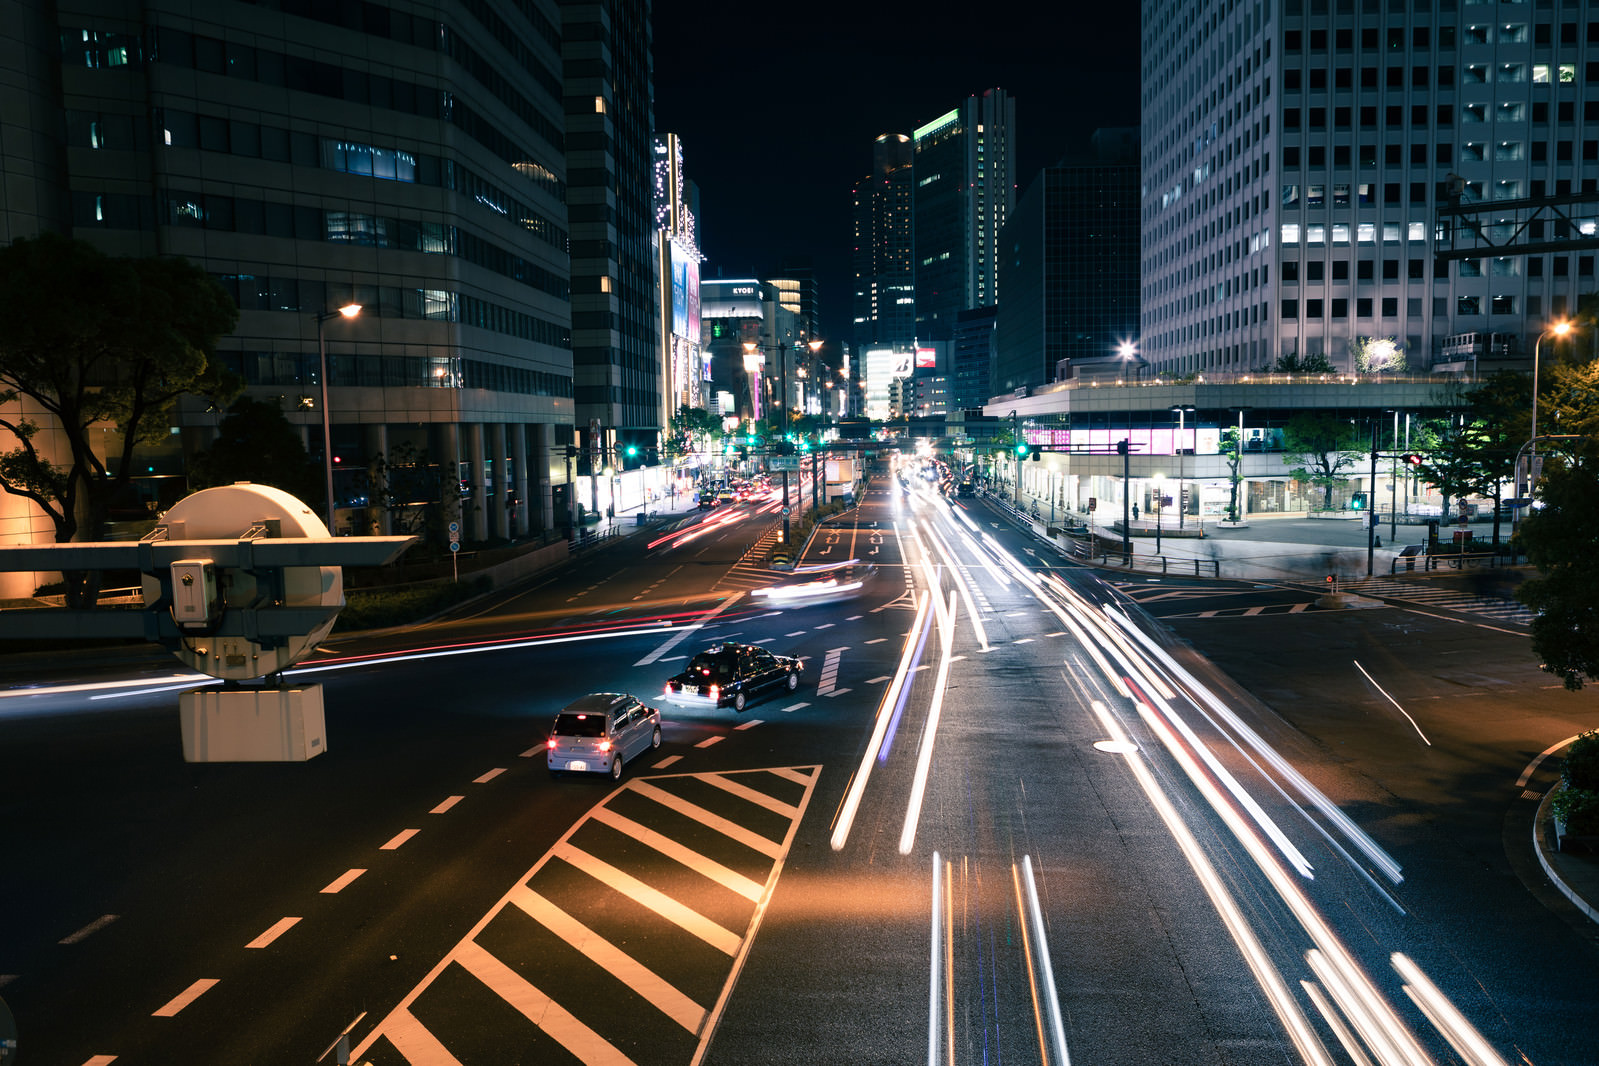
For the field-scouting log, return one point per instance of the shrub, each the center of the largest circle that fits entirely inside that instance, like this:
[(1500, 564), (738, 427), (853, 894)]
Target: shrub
[(1581, 769), (1579, 809), (380, 608)]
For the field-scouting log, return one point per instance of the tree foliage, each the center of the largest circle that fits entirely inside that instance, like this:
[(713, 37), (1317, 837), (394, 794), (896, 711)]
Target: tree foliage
[(1232, 450), (1559, 540), (1320, 447), (256, 443), (94, 342), (1294, 363), (693, 429)]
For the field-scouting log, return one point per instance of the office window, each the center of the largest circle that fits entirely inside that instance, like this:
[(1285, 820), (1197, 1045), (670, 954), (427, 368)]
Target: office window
[(1340, 307), (1468, 305), (1390, 306), (1362, 307), (1313, 308), (1503, 305), (1290, 309)]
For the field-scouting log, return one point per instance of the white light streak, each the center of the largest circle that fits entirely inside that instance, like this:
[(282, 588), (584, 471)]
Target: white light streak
[(1444, 1015)]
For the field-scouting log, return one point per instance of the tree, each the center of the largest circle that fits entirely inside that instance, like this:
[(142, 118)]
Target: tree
[(1294, 363), (1559, 540), (694, 429), (256, 443), (97, 342), (1318, 447), (1232, 448), (1377, 355)]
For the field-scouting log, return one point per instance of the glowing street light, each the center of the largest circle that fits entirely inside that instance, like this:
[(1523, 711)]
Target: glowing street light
[(349, 310)]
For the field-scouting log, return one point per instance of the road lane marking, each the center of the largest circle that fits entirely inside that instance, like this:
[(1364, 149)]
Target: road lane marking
[(490, 776), (447, 804), (186, 997), (682, 634), (536, 1007), (281, 926), (732, 880), (685, 918), (708, 741), (88, 930), (636, 976), (342, 881), (751, 724), (99, 1060), (399, 838), (535, 751), (744, 792), (668, 761), (750, 839), (794, 707)]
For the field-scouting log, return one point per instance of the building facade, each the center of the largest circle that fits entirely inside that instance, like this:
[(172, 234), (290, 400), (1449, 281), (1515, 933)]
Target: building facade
[(964, 175), (685, 369), (1070, 267), (1295, 157), (885, 280), (410, 163), (609, 107)]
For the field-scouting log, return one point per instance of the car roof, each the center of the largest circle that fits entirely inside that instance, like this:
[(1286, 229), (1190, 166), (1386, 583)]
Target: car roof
[(596, 703)]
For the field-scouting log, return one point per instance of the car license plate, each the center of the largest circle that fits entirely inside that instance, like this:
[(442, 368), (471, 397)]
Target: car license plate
[(577, 765)]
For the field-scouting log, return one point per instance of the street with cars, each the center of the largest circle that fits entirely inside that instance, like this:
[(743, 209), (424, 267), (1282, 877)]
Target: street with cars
[(984, 805)]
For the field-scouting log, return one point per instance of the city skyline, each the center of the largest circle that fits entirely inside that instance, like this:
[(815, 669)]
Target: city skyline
[(809, 136)]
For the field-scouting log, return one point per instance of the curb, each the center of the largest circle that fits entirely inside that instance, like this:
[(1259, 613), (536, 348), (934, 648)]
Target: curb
[(1555, 879)]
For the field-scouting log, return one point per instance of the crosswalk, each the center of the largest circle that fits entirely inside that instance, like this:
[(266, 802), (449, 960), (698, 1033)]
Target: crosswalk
[(1496, 607), (622, 942)]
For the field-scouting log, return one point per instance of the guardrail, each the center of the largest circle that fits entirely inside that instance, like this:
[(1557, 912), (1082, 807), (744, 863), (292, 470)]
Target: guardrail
[(1452, 561)]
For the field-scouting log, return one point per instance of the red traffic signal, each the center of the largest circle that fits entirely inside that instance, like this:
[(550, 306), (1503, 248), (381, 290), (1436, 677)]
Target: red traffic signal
[(1411, 459)]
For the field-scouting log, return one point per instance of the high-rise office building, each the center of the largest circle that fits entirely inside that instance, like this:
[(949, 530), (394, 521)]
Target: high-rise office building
[(885, 280), (1295, 157), (609, 101), (409, 160), (1070, 266), (965, 187), (685, 368)]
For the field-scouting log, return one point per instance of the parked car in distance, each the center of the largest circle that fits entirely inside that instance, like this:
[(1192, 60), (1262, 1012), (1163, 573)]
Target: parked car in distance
[(727, 675), (599, 732)]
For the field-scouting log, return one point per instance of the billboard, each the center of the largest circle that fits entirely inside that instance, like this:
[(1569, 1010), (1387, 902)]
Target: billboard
[(926, 359)]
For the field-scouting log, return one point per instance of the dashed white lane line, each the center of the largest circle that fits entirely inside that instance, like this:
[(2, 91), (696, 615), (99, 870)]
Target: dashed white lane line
[(794, 707), (340, 883), (751, 724), (878, 640), (88, 930), (708, 741), (668, 761), (399, 838), (447, 804), (490, 776), (281, 926), (534, 752), (186, 997), (99, 1060)]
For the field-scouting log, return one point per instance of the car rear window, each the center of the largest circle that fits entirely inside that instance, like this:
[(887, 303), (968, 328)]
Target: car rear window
[(579, 725), (720, 666)]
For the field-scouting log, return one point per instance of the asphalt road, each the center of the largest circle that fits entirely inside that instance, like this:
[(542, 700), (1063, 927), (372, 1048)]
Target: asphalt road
[(924, 849)]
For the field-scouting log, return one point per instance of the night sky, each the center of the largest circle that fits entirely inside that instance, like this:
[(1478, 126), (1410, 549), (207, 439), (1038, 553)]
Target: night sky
[(777, 119)]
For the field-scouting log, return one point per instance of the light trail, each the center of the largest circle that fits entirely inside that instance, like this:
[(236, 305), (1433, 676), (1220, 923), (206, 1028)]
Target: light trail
[(1051, 998), (1267, 977), (948, 555), (1445, 1017), (935, 710), (1309, 792), (1393, 701), (852, 799)]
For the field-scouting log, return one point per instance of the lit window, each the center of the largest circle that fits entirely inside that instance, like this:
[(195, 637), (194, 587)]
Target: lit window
[(599, 105)]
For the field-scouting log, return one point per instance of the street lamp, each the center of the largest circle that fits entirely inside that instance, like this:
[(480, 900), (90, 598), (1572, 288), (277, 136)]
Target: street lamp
[(1182, 459), (347, 311), (1128, 351), (1559, 329)]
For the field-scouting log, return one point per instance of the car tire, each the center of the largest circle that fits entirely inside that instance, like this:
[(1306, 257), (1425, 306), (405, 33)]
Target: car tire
[(655, 738), (738, 702), (616, 767), (793, 680)]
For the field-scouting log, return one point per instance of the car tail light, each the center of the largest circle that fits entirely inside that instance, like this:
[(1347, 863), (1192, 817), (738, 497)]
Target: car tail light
[(716, 691), (605, 745), (550, 743)]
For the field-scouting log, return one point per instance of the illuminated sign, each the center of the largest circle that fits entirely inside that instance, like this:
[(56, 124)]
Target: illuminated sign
[(926, 359)]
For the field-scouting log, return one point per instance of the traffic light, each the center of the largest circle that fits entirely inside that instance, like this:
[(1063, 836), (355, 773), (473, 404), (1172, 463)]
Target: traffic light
[(1121, 447), (1411, 459), (1037, 450), (1023, 449), (571, 451)]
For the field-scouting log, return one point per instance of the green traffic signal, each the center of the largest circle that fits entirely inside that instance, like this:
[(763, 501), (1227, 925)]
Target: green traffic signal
[(1023, 448)]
